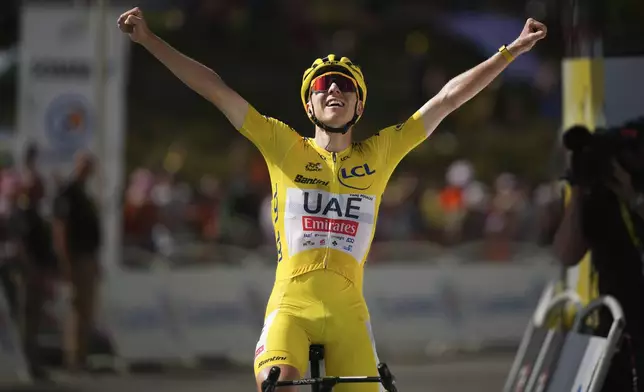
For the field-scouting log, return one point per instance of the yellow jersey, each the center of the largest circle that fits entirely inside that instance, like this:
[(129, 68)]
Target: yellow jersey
[(325, 204)]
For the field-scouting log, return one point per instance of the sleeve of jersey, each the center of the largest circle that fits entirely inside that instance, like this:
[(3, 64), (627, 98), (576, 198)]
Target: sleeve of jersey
[(272, 137), (397, 141)]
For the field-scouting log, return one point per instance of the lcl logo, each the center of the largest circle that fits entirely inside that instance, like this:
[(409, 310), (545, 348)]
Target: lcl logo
[(353, 173), (358, 171)]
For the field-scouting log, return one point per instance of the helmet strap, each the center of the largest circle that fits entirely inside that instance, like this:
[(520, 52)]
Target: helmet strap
[(341, 130)]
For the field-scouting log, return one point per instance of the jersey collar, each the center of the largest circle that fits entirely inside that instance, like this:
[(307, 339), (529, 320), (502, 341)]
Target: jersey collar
[(328, 154)]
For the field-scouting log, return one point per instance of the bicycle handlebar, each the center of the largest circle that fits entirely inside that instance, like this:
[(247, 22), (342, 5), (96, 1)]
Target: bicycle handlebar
[(327, 383)]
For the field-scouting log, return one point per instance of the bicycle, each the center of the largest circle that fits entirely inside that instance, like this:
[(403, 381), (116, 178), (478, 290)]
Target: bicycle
[(319, 383)]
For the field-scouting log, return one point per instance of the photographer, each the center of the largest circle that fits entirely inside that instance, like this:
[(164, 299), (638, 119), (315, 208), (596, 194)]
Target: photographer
[(605, 215)]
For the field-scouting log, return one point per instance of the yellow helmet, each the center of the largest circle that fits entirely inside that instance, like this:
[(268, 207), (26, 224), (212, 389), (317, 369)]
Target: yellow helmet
[(332, 63)]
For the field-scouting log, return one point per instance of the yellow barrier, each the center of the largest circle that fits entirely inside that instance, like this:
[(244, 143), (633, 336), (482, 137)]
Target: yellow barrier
[(583, 99)]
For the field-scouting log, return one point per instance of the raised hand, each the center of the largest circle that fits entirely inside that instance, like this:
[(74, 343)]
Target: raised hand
[(532, 32), (133, 23)]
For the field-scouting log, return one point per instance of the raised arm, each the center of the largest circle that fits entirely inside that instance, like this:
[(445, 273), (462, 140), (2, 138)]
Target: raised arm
[(465, 86), (195, 75)]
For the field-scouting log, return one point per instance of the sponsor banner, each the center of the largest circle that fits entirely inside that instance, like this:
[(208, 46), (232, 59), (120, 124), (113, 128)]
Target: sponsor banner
[(64, 104), (58, 86), (12, 360)]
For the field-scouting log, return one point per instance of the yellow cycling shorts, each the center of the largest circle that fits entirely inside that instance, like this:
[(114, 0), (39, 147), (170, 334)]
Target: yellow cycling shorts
[(319, 307)]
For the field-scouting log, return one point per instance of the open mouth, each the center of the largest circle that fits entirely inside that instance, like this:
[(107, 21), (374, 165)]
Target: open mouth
[(334, 103)]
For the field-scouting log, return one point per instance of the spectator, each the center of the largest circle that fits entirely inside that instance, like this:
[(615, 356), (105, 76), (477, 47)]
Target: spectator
[(476, 202), (77, 238), (206, 207), (140, 212), (36, 253), (500, 225), (8, 246)]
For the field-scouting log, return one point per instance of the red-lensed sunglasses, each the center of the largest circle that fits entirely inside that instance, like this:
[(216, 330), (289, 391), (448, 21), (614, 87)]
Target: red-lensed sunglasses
[(323, 82)]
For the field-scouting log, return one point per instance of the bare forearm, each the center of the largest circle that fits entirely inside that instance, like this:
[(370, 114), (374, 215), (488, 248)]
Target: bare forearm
[(203, 80), (194, 74), (569, 244)]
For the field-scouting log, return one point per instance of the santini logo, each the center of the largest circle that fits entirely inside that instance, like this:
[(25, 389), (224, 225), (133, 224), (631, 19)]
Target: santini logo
[(310, 181), (269, 360)]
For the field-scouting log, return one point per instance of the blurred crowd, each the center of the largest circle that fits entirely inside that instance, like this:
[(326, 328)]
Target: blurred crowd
[(160, 209), (47, 240)]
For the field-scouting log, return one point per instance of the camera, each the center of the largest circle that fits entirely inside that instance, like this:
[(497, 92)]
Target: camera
[(593, 153)]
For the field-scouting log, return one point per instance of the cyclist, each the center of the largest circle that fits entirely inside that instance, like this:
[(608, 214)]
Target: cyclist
[(326, 193)]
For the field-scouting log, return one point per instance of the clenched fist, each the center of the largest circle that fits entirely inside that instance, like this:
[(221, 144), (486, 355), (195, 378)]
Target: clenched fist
[(133, 23), (532, 32)]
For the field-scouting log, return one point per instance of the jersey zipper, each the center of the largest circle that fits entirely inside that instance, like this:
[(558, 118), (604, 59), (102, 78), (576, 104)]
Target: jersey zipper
[(333, 192)]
